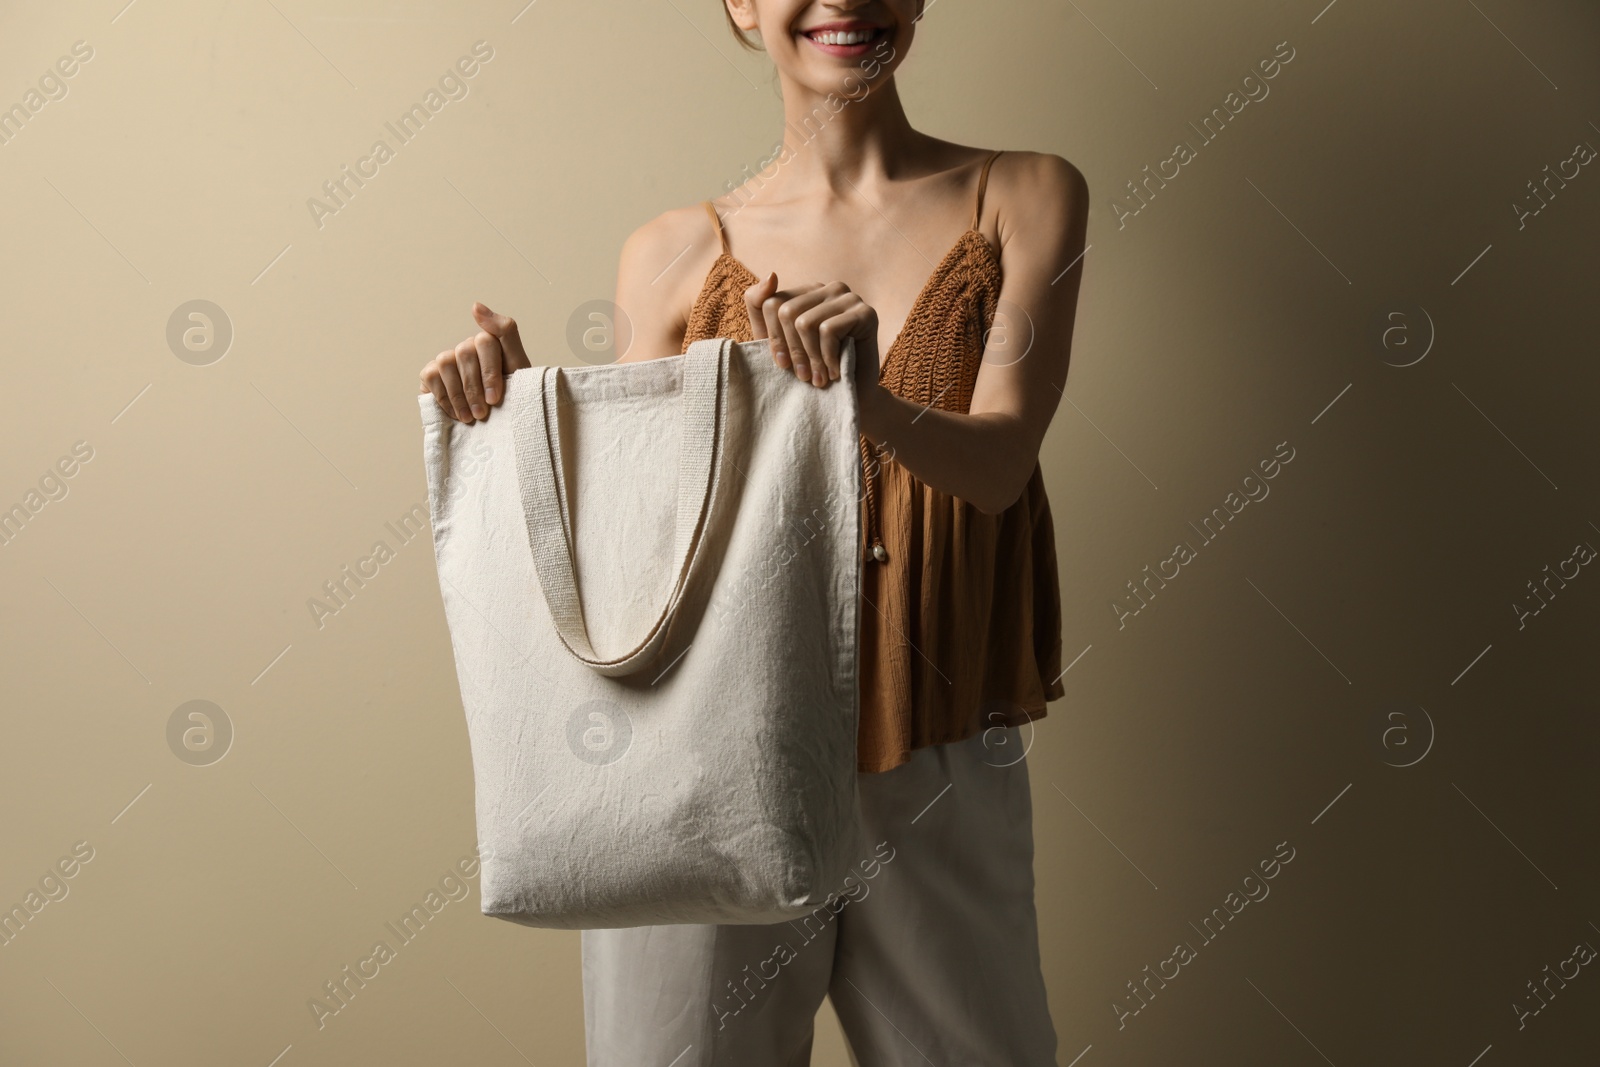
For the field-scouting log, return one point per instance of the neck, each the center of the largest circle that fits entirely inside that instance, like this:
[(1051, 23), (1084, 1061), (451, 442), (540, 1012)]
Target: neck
[(840, 148)]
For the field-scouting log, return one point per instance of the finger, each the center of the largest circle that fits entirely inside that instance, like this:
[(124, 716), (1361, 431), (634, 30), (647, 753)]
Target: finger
[(502, 332), (848, 316), (477, 368), (836, 317), (471, 380), (504, 328), (476, 371), (754, 297), (841, 293), (433, 382), (452, 386), (799, 319), (792, 356)]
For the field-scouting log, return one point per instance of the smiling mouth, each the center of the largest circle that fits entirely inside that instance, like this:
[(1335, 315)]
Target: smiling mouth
[(845, 40)]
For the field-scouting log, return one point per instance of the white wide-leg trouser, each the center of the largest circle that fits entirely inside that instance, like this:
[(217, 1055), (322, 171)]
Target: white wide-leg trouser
[(931, 957)]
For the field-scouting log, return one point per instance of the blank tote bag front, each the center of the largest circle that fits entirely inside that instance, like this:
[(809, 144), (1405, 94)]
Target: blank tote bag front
[(650, 573)]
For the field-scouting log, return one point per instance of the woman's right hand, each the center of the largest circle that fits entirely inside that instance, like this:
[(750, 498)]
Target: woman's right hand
[(469, 379)]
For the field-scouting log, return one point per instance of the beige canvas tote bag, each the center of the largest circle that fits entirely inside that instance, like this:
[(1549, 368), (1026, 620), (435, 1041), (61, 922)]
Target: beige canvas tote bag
[(650, 574)]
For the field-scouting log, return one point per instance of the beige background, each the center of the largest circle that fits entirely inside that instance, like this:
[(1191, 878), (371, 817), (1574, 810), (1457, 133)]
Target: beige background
[(1243, 307)]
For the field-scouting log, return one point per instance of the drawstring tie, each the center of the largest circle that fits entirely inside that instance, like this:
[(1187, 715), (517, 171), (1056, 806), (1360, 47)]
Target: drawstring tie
[(869, 479)]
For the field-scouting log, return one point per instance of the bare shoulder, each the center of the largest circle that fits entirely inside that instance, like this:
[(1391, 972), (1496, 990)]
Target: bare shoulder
[(1041, 209), (1038, 183), (671, 233), (658, 274)]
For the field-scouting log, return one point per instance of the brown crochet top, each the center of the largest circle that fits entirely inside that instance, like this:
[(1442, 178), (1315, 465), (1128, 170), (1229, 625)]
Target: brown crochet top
[(960, 629)]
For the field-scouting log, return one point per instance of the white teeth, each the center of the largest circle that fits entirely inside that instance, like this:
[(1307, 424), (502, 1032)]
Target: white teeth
[(843, 36)]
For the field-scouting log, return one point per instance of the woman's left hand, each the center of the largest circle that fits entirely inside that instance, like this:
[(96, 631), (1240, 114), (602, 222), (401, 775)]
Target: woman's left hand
[(807, 327)]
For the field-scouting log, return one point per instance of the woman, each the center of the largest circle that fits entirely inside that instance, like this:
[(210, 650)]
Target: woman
[(931, 955)]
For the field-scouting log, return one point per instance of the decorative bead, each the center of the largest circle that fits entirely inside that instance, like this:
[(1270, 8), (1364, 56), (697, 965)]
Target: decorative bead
[(880, 553)]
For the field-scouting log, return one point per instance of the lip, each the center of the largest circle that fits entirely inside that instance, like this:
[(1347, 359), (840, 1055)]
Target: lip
[(842, 24), (845, 50)]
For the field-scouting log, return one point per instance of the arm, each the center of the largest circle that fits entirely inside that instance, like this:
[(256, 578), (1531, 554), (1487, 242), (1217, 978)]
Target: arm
[(986, 456)]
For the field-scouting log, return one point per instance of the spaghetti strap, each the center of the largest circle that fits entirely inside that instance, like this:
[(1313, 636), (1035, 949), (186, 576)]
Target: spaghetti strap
[(716, 222), (983, 179)]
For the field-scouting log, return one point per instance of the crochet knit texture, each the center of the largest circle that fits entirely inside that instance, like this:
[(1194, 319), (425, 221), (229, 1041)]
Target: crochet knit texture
[(961, 621)]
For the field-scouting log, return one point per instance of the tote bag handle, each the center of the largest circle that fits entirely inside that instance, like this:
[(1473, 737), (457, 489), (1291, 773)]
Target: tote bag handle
[(537, 438)]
